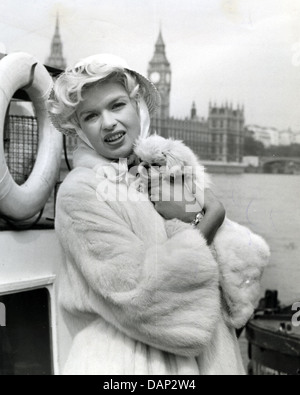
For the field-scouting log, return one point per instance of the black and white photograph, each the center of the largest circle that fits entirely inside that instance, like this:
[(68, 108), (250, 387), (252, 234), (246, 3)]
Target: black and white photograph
[(149, 190)]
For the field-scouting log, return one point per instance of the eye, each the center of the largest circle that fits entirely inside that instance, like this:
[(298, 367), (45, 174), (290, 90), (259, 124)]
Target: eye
[(90, 117), (118, 105)]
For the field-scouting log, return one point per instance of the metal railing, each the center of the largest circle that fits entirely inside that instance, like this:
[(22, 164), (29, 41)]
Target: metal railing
[(20, 146)]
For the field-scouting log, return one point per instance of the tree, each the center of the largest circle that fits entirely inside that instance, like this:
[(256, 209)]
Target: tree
[(284, 151), (253, 147)]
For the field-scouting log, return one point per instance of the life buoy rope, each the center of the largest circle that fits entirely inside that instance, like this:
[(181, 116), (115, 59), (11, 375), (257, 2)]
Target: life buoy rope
[(17, 202)]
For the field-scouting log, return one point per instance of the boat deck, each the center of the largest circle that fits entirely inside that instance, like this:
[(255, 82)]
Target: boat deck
[(274, 344)]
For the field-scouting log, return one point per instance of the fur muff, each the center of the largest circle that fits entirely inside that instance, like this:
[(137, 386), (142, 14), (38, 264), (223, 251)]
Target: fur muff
[(241, 255)]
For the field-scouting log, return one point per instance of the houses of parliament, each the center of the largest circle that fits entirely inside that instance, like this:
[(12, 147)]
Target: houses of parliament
[(219, 138)]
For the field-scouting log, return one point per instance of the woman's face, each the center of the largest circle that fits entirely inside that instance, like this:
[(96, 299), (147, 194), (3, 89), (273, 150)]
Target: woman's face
[(109, 119)]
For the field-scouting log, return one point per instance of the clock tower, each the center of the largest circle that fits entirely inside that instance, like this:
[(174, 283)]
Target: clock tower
[(56, 58), (159, 72)]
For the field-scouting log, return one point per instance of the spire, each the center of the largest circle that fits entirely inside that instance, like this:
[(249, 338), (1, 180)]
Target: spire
[(160, 51), (159, 72), (57, 25), (56, 58), (160, 41), (194, 111)]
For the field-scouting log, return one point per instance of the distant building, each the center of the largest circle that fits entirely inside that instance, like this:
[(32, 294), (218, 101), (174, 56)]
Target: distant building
[(159, 72), (267, 136), (260, 134), (274, 136), (195, 134), (56, 58), (286, 137), (297, 138), (218, 138), (227, 131)]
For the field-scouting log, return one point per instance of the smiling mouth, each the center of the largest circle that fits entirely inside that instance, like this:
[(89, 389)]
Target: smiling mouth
[(114, 138)]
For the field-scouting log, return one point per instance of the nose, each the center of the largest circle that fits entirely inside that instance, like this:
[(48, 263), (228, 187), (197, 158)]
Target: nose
[(108, 121)]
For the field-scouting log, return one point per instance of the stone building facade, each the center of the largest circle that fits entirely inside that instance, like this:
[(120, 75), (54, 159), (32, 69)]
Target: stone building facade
[(220, 137)]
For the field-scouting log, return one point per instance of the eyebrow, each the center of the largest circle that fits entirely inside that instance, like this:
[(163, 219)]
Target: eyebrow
[(85, 112)]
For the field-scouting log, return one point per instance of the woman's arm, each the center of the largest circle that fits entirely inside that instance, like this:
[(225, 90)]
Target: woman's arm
[(165, 295)]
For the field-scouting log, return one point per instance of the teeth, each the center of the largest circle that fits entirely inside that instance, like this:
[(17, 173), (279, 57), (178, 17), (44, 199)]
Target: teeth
[(114, 138)]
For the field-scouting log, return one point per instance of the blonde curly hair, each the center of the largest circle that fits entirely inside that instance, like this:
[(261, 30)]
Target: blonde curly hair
[(69, 88)]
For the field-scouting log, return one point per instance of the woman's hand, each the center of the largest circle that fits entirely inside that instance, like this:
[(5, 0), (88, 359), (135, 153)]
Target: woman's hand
[(173, 200), (213, 218)]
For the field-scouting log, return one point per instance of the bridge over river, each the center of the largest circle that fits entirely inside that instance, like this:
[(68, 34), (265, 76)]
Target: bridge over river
[(280, 165)]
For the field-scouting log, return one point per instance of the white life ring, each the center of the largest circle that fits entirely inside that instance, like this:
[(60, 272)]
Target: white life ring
[(25, 201)]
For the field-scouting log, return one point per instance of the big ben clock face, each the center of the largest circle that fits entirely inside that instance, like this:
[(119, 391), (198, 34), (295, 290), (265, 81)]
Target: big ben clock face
[(155, 77)]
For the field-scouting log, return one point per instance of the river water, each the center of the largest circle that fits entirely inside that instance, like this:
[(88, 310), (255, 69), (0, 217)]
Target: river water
[(270, 206)]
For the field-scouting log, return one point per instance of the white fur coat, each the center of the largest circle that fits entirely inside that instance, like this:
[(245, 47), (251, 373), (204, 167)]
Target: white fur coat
[(241, 255), (141, 295)]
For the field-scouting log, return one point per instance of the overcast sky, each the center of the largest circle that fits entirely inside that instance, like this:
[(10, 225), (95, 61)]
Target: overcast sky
[(244, 51)]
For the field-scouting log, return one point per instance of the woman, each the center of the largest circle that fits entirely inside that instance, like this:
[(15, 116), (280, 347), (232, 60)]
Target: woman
[(140, 293)]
